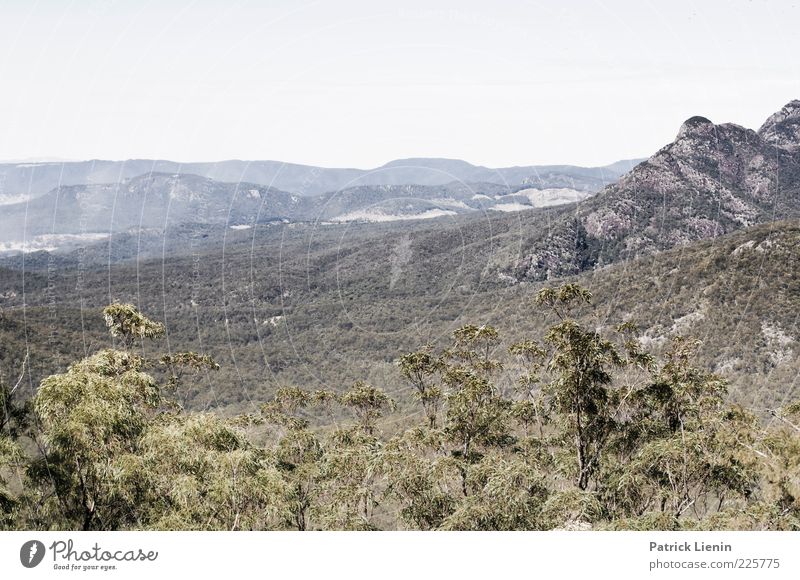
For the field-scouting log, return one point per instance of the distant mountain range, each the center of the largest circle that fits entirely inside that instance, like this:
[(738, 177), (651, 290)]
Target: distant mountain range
[(105, 203), (33, 179), (711, 180)]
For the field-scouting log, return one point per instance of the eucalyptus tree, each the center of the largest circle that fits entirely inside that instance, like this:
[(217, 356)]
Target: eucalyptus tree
[(581, 391), (199, 472), (14, 422), (530, 409), (367, 403), (473, 348), (298, 454), (595, 434), (421, 368), (508, 491), (181, 364), (125, 322), (351, 470), (421, 477), (779, 454), (683, 451), (10, 454), (92, 418)]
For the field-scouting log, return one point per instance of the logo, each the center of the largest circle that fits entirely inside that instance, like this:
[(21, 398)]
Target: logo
[(31, 553)]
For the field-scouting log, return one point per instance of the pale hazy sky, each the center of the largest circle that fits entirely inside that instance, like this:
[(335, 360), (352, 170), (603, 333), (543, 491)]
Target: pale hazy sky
[(358, 83)]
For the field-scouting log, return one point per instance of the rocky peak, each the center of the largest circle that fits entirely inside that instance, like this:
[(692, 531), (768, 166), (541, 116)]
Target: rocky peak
[(713, 179), (696, 127), (783, 128)]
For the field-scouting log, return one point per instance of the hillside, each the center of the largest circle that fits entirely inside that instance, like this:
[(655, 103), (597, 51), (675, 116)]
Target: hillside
[(319, 306)]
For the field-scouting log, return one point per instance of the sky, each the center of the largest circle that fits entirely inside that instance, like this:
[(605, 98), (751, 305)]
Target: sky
[(357, 83)]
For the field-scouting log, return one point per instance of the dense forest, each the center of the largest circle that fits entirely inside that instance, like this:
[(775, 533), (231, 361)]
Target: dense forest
[(596, 433)]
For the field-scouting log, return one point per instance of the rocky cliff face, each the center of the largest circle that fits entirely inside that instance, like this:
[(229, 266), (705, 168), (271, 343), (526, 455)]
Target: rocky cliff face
[(783, 128), (713, 179)]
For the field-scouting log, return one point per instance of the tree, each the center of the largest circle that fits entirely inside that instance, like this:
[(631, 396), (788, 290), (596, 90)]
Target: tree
[(684, 448), (367, 403), (14, 421), (531, 409), (124, 321), (595, 434), (508, 492), (349, 472), (92, 418), (199, 472), (420, 368), (10, 454), (473, 347), (476, 416), (298, 453), (182, 363), (418, 470), (581, 364), (116, 455), (14, 415), (779, 451)]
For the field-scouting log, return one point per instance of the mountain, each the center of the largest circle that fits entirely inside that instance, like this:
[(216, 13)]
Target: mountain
[(148, 201), (783, 128), (424, 171), (24, 180), (711, 180), (70, 216)]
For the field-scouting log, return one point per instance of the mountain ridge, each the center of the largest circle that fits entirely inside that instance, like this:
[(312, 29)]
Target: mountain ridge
[(710, 180), (33, 179), (165, 201)]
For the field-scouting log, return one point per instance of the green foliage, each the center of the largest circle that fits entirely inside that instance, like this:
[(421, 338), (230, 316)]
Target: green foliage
[(182, 363), (563, 299), (298, 456), (14, 413), (506, 493), (14, 422), (124, 321), (92, 418), (572, 509), (10, 454), (419, 471), (419, 368), (473, 347), (780, 460), (342, 322), (592, 434), (580, 392), (196, 472), (349, 473), (476, 414), (367, 403)]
